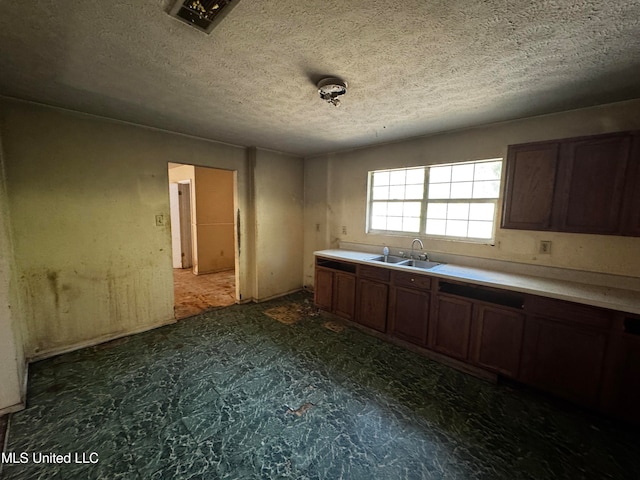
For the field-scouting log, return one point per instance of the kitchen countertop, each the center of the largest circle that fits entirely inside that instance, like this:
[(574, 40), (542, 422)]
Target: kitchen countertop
[(595, 295)]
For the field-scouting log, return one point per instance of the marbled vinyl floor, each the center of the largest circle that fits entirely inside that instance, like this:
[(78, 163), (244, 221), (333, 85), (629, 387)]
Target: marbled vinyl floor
[(235, 394)]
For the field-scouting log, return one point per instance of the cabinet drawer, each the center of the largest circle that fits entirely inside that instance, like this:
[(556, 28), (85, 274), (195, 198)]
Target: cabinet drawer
[(411, 280), (569, 312), (374, 273)]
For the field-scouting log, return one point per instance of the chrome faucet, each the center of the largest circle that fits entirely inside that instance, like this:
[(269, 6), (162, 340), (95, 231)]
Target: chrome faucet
[(413, 243)]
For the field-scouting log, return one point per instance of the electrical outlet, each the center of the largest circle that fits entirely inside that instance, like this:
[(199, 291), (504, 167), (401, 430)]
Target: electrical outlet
[(344, 229), (544, 247), (160, 220)]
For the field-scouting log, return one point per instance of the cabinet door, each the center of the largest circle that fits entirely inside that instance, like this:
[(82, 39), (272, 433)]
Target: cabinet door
[(409, 314), (497, 342), (626, 401), (564, 359), (344, 294), (529, 186), (372, 304), (323, 289), (631, 214), (592, 175), (450, 326)]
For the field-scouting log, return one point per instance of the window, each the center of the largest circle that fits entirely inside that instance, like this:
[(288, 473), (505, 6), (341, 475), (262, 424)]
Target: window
[(454, 200)]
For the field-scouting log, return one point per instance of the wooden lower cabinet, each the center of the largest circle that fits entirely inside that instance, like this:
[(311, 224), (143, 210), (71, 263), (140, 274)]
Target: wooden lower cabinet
[(567, 360), (409, 314), (626, 389), (497, 339), (344, 294), (335, 291), (371, 304), (323, 289), (621, 396), (450, 326), (584, 354)]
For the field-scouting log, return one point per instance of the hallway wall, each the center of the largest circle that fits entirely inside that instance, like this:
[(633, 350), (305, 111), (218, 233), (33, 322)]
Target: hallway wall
[(83, 193), (279, 223), (12, 361)]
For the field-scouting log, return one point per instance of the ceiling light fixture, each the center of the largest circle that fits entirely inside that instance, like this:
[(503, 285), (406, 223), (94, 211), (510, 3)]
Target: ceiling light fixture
[(331, 88)]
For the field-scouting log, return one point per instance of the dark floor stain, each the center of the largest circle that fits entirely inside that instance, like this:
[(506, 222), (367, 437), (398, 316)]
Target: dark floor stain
[(301, 410), (291, 313), (287, 314), (334, 326)]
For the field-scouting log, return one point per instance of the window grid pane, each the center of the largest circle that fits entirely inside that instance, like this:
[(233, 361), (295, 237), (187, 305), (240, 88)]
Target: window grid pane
[(470, 219), (459, 201), (396, 216)]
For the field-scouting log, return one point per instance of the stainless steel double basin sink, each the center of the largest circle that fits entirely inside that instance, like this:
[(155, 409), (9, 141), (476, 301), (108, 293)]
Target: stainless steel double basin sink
[(407, 262)]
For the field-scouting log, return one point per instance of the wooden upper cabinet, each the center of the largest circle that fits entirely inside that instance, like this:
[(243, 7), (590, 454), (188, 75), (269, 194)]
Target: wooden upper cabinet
[(581, 185), (530, 186), (631, 210), (593, 175)]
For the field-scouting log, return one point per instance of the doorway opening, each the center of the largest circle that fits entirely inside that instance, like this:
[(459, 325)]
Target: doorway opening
[(203, 238)]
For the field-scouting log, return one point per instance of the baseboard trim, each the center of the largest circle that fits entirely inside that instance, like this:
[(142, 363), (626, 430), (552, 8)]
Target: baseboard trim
[(96, 341), (273, 297), (12, 409)]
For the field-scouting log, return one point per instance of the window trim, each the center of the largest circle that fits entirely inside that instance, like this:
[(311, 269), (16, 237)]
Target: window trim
[(424, 202)]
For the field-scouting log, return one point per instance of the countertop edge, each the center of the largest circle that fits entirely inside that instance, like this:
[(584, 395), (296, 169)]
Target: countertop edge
[(611, 298)]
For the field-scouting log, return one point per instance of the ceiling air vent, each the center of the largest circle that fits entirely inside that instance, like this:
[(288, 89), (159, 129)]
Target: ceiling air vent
[(202, 14)]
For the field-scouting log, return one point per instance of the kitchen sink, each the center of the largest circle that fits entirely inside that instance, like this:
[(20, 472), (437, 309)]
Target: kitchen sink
[(389, 259), (424, 264)]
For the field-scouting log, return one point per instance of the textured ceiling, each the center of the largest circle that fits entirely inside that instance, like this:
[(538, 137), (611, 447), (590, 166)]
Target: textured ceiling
[(414, 67)]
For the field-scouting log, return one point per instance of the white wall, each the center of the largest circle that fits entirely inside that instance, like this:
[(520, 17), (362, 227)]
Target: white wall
[(174, 205), (182, 174), (342, 179), (12, 362), (279, 213)]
